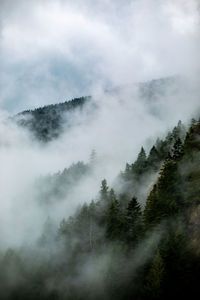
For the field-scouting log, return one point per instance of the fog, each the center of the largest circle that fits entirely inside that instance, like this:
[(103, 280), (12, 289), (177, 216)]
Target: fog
[(55, 50), (104, 45), (117, 128), (51, 51)]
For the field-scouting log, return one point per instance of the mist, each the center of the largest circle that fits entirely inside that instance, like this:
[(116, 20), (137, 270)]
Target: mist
[(63, 49), (139, 62), (123, 120)]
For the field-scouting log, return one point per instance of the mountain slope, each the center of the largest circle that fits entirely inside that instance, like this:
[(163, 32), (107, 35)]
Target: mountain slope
[(46, 123), (111, 248)]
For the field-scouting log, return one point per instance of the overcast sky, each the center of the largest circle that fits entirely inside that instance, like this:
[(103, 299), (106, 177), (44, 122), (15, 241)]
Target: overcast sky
[(54, 50)]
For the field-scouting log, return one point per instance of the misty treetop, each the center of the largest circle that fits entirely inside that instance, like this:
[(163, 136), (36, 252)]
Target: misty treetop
[(51, 121), (55, 187), (113, 247), (48, 122)]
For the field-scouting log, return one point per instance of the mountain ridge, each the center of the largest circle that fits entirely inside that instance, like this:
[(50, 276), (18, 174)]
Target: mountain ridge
[(46, 123)]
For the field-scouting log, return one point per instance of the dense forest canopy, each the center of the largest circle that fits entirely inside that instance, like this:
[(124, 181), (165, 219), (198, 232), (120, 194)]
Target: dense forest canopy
[(118, 246), (46, 123)]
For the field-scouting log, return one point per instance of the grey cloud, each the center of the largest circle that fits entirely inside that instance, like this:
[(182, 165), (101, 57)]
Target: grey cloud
[(108, 44), (58, 50)]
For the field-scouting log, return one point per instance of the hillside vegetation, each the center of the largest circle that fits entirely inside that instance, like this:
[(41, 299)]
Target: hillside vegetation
[(48, 122), (112, 248)]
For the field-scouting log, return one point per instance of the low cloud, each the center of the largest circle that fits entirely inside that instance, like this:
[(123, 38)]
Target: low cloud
[(56, 50)]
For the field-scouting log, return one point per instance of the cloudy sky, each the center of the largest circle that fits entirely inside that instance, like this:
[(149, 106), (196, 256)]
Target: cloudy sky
[(54, 50)]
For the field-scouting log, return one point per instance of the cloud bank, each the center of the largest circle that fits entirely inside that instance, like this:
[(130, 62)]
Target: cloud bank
[(55, 50)]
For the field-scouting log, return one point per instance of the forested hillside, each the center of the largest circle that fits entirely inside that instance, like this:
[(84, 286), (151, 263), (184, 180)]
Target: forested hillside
[(46, 123), (49, 122), (113, 247), (99, 150)]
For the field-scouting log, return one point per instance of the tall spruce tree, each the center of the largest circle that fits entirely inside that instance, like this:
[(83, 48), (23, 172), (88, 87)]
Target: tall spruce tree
[(133, 220), (153, 160), (114, 222), (139, 167), (165, 198)]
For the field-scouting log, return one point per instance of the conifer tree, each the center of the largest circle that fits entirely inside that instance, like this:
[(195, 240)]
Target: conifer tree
[(104, 190), (177, 151), (133, 220), (153, 160), (165, 198), (127, 172), (114, 224), (139, 167)]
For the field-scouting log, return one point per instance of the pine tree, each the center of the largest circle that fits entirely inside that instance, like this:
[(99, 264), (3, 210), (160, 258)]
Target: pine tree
[(165, 198), (153, 160), (104, 190), (133, 221), (126, 175), (114, 223), (82, 220), (152, 208), (163, 148), (139, 167), (177, 150)]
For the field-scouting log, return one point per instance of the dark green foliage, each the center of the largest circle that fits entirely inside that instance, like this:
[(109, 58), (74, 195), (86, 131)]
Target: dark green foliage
[(114, 221), (111, 248), (175, 191), (133, 221), (139, 167), (191, 144), (166, 198), (46, 123), (153, 161), (177, 150), (176, 251), (136, 174)]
